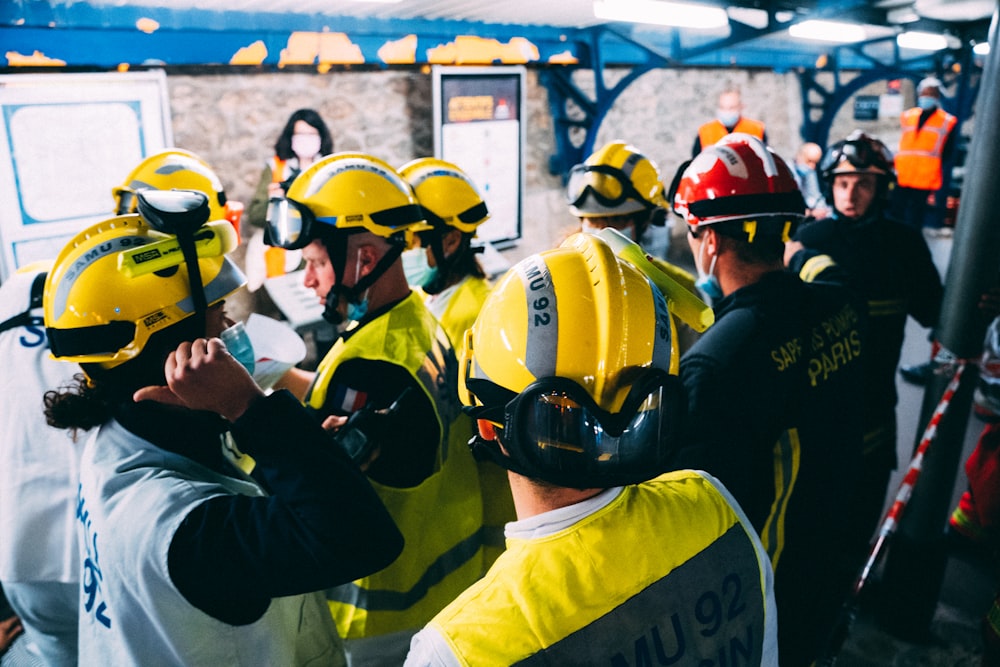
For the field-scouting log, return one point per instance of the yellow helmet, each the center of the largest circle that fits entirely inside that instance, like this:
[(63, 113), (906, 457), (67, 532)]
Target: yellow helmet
[(616, 180), (119, 282), (446, 193), (346, 192), (572, 364), (176, 169)]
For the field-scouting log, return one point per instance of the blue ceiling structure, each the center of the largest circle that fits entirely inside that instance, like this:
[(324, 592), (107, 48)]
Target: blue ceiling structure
[(65, 35)]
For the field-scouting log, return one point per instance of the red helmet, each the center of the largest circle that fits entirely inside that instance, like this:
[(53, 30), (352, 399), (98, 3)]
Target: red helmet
[(738, 179)]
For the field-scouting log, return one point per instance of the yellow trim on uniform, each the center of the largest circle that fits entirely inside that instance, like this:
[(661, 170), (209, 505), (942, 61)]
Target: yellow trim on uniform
[(787, 461)]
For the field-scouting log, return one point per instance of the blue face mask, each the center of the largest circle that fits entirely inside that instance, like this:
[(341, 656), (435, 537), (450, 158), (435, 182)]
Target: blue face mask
[(418, 271), (238, 344), (728, 118), (357, 310), (926, 102), (707, 282)]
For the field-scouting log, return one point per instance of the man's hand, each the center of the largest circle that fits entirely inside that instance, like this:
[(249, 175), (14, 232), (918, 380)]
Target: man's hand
[(792, 247), (202, 375)]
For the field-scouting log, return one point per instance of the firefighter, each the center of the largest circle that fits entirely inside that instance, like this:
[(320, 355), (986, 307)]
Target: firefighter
[(774, 386), (570, 371), (389, 386), (444, 266)]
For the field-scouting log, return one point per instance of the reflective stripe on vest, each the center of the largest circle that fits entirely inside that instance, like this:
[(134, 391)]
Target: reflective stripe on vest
[(712, 131), (441, 518), (918, 162), (664, 574)]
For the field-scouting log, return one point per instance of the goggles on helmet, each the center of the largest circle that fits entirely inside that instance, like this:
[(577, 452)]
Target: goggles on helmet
[(610, 186), (861, 155), (294, 226), (555, 431), (127, 201)]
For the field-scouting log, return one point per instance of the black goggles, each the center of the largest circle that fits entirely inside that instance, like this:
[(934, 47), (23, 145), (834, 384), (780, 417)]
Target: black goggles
[(555, 426), (860, 154), (293, 226), (609, 186)]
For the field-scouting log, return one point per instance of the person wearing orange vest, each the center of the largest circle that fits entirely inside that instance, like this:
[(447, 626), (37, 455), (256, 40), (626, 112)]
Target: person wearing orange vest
[(728, 118), (926, 143)]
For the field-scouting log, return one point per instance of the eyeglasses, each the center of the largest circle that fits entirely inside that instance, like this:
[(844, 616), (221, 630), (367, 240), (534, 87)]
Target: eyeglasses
[(610, 186)]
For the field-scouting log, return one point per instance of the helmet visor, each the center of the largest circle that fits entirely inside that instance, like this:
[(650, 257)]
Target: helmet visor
[(609, 186)]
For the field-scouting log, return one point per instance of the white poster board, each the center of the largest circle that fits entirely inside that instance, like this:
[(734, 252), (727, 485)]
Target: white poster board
[(65, 141), (480, 126)]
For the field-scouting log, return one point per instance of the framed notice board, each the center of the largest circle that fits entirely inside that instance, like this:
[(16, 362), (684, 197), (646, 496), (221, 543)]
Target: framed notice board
[(479, 125), (65, 141)]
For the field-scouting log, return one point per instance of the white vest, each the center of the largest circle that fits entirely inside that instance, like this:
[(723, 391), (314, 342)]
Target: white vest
[(40, 464), (133, 497)]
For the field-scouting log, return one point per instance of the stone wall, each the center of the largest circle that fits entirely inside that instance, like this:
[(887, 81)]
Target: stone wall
[(232, 121)]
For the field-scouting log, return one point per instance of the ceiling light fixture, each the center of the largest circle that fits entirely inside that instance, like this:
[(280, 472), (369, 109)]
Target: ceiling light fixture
[(828, 31), (981, 49), (659, 12), (922, 41)]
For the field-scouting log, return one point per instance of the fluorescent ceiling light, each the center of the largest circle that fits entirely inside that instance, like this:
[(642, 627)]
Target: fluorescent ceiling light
[(981, 49), (659, 12), (922, 41), (828, 31)]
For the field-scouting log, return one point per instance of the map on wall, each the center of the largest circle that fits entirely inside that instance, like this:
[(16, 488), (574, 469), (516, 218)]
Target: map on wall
[(478, 126), (65, 141)]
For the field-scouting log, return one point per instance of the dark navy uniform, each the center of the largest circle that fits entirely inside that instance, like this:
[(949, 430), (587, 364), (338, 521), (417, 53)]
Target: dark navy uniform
[(890, 266), (774, 391)]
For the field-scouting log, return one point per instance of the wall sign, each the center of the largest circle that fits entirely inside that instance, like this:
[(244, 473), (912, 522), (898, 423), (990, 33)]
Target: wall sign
[(65, 141), (479, 125)]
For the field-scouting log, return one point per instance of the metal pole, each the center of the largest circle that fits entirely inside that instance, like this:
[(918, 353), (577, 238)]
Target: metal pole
[(915, 566)]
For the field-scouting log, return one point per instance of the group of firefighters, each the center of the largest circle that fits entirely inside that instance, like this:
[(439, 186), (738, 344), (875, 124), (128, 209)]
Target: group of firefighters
[(529, 472)]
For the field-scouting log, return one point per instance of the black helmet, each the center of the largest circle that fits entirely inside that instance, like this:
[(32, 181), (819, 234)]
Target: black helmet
[(857, 154)]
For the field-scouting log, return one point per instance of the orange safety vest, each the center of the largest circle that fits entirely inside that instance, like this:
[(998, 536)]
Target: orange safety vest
[(274, 257), (712, 131), (918, 162)]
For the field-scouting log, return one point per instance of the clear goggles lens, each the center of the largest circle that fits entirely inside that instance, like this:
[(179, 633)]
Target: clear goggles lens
[(288, 225), (608, 185)]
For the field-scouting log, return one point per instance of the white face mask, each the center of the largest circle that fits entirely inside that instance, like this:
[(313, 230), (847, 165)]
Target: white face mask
[(305, 146)]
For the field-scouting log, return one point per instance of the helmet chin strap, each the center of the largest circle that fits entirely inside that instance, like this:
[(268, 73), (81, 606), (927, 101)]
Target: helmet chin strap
[(331, 312)]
